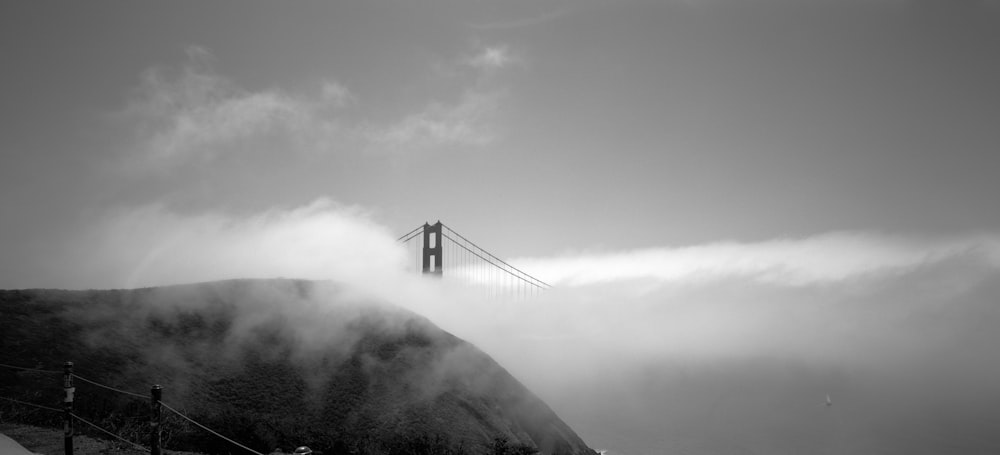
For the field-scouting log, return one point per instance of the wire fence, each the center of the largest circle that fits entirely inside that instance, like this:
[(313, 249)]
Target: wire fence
[(102, 430), (154, 423), (31, 404), (37, 370), (123, 392), (203, 427)]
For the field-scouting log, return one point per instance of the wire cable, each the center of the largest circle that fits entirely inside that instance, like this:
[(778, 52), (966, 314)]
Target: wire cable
[(494, 257), (522, 278), (489, 261), (408, 233), (411, 237), (137, 446), (209, 429), (29, 369), (136, 395), (32, 404)]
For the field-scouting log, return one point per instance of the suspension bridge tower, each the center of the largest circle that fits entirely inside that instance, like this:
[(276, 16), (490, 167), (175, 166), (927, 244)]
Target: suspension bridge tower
[(432, 263), (468, 263)]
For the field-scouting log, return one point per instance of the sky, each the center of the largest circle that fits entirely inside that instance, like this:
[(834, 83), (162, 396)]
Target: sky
[(738, 185), (537, 128)]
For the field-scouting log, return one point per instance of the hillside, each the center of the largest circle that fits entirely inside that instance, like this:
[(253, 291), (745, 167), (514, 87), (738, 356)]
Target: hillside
[(271, 363)]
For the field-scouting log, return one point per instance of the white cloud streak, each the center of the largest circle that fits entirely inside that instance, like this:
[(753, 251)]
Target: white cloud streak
[(199, 115), (491, 58), (337, 94), (466, 122), (822, 259), (523, 22), (152, 245)]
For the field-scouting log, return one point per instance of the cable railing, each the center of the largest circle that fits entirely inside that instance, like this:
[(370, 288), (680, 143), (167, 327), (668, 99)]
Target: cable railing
[(154, 397), (106, 387), (37, 370), (34, 405), (115, 436)]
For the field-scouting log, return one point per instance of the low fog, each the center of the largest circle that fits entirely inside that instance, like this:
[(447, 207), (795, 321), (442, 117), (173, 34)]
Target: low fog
[(724, 348)]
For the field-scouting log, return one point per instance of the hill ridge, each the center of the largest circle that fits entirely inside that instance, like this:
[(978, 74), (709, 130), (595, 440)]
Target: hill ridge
[(280, 362)]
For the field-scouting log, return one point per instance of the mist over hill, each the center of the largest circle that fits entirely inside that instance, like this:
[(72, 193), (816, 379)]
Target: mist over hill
[(272, 363)]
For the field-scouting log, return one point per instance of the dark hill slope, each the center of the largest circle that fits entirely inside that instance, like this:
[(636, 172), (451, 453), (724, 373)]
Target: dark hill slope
[(272, 363)]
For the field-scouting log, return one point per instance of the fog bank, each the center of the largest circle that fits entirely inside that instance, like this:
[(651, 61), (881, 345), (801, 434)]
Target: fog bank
[(720, 348)]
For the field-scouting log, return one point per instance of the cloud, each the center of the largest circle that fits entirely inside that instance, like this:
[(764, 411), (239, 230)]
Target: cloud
[(199, 54), (197, 114), (337, 94), (465, 123), (821, 259), (523, 22), (152, 245), (491, 58)]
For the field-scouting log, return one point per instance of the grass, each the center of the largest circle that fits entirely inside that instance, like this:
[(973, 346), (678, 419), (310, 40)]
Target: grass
[(49, 441)]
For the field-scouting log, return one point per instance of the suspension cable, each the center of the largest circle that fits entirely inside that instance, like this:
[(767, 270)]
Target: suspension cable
[(489, 261), (411, 237), (408, 233), (492, 256)]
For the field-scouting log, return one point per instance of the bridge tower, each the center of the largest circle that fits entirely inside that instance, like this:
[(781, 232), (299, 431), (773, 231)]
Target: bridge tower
[(432, 249)]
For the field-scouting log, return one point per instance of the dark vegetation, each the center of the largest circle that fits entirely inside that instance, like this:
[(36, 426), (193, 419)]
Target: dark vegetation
[(271, 364), (49, 441)]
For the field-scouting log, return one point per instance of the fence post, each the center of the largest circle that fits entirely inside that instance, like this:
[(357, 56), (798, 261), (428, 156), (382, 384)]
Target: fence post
[(68, 408), (156, 393)]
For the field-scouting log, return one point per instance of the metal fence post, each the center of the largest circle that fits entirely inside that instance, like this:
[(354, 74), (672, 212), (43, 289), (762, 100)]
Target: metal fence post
[(68, 407), (156, 393)]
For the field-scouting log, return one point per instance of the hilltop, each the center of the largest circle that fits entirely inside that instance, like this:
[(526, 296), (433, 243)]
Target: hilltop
[(271, 363)]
